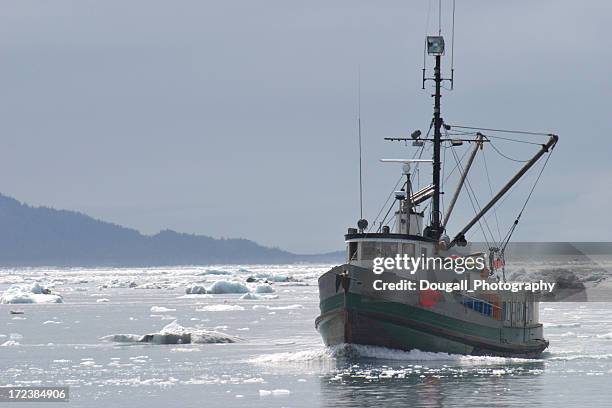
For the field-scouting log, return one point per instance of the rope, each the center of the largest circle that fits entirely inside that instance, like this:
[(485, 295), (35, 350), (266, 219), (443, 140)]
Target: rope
[(513, 227), (484, 159), (505, 156)]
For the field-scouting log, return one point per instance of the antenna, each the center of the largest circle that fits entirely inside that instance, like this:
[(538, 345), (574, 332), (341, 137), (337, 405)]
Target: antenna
[(359, 134), (452, 78), (439, 17)]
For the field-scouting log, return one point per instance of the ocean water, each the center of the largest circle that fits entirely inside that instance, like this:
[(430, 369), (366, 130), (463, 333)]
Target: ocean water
[(277, 358)]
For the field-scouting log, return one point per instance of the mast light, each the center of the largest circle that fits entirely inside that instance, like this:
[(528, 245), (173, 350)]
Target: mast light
[(435, 45)]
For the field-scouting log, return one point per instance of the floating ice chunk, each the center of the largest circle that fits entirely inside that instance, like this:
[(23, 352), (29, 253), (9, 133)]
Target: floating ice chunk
[(605, 336), (10, 343), (161, 309), (254, 380), (214, 272), (29, 293), (253, 296), (122, 338), (174, 333), (272, 277), (102, 300), (148, 286), (264, 288), (51, 322), (288, 307), (191, 296), (195, 290), (265, 393), (223, 286), (220, 308)]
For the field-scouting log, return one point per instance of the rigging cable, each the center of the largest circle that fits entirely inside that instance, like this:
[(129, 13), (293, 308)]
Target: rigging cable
[(505, 156), (484, 159), (519, 132), (470, 193), (513, 227)]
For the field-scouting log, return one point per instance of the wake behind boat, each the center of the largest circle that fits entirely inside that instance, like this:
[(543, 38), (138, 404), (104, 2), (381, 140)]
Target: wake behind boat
[(497, 322)]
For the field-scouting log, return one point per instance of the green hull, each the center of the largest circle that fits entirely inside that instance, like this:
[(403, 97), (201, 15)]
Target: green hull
[(355, 319)]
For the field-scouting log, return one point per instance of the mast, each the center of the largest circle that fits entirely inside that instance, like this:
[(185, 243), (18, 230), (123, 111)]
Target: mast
[(435, 47), (436, 226)]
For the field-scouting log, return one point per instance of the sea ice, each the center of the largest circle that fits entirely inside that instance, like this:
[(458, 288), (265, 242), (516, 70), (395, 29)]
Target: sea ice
[(220, 308), (174, 333), (288, 307), (214, 272), (195, 290), (264, 288), (223, 286), (265, 393), (29, 293), (272, 277), (161, 309), (254, 296)]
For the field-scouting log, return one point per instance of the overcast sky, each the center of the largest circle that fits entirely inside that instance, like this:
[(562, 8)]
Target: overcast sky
[(238, 118)]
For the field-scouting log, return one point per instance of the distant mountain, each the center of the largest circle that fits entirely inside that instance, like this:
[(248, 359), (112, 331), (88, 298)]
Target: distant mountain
[(35, 236), (31, 236)]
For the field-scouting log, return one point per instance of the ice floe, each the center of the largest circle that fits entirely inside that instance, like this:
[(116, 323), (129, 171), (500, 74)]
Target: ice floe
[(174, 333), (605, 336), (214, 272), (29, 293), (264, 288), (287, 307), (51, 322), (223, 286), (254, 296), (161, 309), (220, 308), (195, 290), (265, 393)]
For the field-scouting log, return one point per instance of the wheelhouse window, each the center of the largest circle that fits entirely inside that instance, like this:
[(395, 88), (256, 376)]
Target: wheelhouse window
[(352, 251), (371, 250), (408, 249)]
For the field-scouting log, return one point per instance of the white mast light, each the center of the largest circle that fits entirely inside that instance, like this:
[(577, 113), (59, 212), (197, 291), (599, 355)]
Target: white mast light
[(435, 45)]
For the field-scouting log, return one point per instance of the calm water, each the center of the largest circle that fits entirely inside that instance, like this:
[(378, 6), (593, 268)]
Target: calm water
[(279, 360)]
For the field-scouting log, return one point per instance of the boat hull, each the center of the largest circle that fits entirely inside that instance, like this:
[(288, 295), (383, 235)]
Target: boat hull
[(351, 317)]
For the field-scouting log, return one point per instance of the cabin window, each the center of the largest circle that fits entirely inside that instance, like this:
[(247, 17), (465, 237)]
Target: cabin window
[(386, 249), (408, 249), (528, 316), (352, 251), (368, 250), (480, 306), (520, 312), (507, 311), (371, 250)]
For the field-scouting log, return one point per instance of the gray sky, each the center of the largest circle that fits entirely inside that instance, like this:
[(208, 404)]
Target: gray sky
[(238, 118)]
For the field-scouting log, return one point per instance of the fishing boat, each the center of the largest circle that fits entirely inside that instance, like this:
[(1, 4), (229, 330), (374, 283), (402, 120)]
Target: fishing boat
[(353, 309)]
